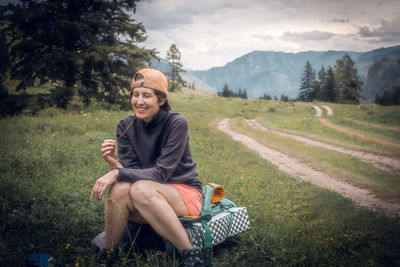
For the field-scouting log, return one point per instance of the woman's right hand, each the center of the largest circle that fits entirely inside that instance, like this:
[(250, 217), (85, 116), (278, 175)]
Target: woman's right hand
[(109, 153)]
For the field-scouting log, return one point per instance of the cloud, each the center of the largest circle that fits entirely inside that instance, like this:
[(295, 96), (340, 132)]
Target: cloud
[(307, 36), (263, 36), (387, 31), (336, 20)]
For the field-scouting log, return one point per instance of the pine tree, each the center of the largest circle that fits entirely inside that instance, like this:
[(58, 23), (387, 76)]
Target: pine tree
[(347, 81), (330, 87), (174, 58), (88, 48), (322, 77), (244, 95), (226, 92), (307, 83)]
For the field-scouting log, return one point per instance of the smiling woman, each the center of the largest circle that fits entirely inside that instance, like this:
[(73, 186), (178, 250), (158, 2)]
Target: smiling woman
[(155, 179)]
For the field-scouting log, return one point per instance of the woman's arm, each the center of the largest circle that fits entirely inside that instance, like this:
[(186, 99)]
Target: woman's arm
[(102, 183), (127, 156)]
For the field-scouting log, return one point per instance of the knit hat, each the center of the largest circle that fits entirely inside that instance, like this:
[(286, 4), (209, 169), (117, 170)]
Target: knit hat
[(152, 79)]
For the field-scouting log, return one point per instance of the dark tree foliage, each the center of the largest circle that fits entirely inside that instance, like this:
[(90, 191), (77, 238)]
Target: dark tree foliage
[(226, 92), (320, 85), (330, 94), (284, 98), (87, 47), (347, 81), (389, 99), (174, 60), (307, 83), (266, 97), (244, 94)]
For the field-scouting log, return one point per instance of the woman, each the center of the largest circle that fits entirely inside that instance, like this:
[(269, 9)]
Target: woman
[(155, 179)]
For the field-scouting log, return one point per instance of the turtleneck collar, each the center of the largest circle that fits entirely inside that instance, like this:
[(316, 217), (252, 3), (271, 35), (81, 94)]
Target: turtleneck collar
[(159, 117)]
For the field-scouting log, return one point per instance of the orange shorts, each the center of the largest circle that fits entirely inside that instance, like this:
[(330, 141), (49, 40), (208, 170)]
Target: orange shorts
[(191, 197)]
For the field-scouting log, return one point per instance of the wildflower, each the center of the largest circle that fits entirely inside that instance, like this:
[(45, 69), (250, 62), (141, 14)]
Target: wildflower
[(76, 264), (345, 235), (300, 230), (331, 238), (50, 259), (67, 246)]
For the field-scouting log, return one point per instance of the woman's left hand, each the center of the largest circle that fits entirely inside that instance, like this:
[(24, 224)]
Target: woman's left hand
[(102, 183)]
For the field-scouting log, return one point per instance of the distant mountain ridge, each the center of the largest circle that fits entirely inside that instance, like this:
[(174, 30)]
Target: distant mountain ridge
[(277, 73)]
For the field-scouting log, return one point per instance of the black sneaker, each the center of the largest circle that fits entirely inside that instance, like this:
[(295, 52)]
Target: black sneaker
[(191, 257)]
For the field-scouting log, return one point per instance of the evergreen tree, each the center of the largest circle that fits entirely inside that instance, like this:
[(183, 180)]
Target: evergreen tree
[(307, 83), (239, 94), (330, 94), (88, 48), (322, 77), (174, 58), (226, 92), (244, 94), (347, 80), (265, 97), (388, 99), (316, 87), (284, 98)]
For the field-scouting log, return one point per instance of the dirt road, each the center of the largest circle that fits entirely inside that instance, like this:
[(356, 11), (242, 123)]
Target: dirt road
[(358, 134), (385, 163), (294, 167), (329, 111)]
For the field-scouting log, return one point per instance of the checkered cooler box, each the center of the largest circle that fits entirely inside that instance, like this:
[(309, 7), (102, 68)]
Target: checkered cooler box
[(219, 226), (240, 220)]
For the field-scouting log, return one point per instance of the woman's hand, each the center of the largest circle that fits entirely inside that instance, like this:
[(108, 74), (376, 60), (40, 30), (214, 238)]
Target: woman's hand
[(102, 183), (109, 153)]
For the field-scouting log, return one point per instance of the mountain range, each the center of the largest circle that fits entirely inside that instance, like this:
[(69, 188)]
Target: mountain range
[(277, 73)]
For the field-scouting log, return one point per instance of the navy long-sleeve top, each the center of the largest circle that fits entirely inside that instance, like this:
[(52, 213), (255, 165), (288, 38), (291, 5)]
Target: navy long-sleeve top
[(157, 151)]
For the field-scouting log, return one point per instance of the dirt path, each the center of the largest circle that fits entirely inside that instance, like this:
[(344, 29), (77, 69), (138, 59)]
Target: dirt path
[(318, 111), (294, 167), (329, 111), (385, 163), (358, 134), (397, 129)]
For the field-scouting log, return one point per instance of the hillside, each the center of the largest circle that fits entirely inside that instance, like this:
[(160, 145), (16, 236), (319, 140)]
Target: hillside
[(277, 73)]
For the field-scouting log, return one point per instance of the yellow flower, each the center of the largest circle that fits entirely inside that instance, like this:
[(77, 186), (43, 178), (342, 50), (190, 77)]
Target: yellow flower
[(331, 238), (50, 259), (300, 230), (345, 235), (76, 264)]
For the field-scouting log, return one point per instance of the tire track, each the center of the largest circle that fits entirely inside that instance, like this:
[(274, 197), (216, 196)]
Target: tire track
[(294, 167), (385, 163), (359, 135)]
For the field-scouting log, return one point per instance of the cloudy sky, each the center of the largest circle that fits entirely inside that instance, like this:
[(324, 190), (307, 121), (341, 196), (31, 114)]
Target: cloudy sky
[(214, 32)]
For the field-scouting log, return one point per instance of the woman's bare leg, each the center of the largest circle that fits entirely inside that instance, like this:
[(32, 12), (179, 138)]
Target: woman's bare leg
[(160, 204), (117, 213), (145, 201)]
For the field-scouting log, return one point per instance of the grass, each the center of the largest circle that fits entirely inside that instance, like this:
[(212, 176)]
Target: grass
[(49, 163)]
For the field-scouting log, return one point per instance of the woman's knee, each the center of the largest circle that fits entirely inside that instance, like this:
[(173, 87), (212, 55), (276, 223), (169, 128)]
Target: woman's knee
[(142, 192), (119, 190)]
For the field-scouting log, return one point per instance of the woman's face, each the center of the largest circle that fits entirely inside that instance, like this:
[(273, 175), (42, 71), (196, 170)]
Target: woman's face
[(145, 103)]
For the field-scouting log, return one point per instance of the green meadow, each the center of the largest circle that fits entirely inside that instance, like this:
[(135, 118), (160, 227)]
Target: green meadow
[(50, 161)]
